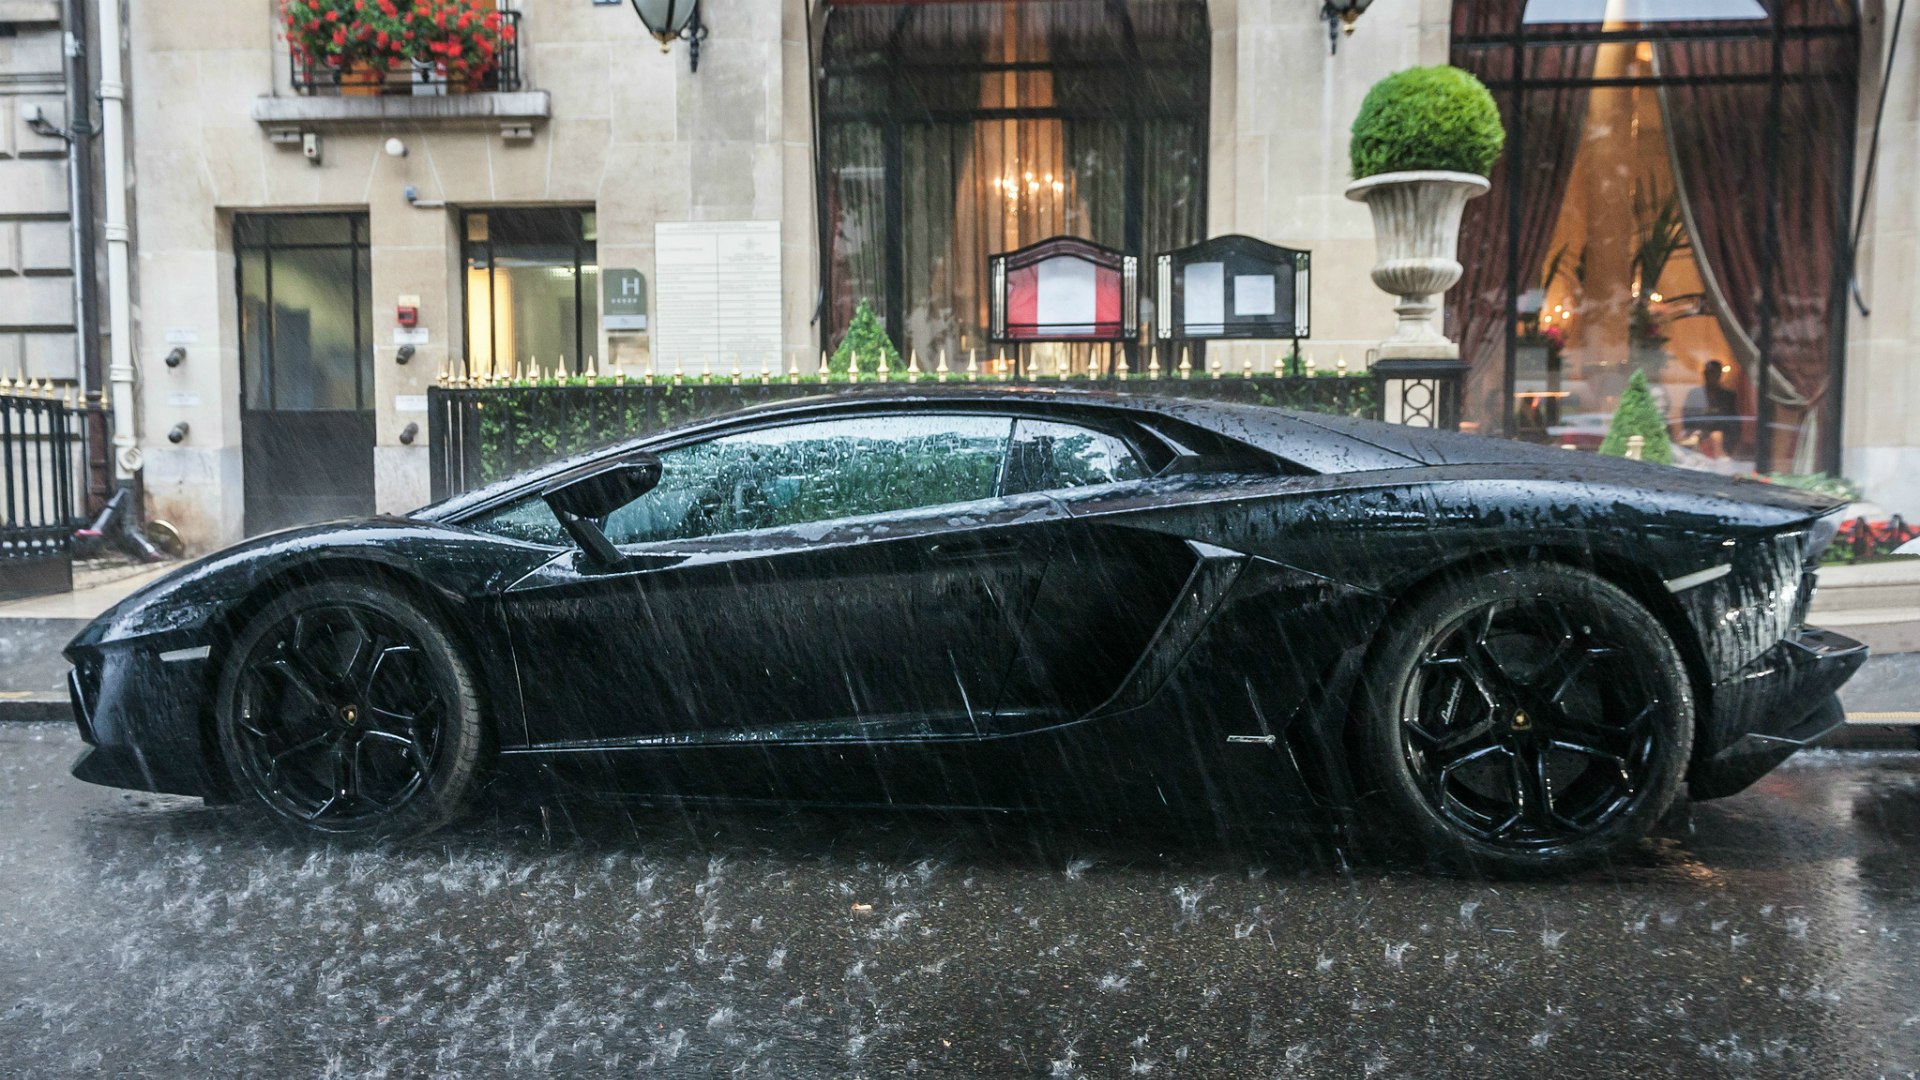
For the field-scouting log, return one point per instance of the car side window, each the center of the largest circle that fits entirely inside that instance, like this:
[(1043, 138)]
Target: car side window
[(1047, 456), (819, 471), (527, 519)]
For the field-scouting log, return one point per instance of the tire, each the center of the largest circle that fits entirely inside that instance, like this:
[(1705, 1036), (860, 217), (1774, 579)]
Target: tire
[(347, 710), (1525, 721)]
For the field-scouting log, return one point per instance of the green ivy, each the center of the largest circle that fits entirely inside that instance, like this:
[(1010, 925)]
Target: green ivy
[(1638, 415), (1426, 118)]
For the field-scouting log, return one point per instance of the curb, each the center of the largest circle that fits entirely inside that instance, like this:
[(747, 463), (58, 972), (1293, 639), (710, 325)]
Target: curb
[(36, 709)]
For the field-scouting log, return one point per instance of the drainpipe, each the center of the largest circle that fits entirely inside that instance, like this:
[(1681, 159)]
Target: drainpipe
[(113, 125), (121, 519)]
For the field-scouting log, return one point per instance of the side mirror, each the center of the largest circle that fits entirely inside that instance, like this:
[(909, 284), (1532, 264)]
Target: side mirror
[(581, 497)]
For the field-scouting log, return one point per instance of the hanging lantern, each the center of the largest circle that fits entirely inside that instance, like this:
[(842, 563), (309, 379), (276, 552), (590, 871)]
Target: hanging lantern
[(673, 20)]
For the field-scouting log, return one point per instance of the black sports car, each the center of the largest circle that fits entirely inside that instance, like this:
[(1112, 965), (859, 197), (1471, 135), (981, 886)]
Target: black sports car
[(1005, 598)]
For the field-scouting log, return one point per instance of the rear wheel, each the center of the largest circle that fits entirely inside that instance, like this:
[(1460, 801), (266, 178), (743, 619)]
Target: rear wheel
[(1528, 720), (346, 709)]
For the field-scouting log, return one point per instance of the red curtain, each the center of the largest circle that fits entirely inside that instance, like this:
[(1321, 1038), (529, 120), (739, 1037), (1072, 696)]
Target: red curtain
[(1721, 134)]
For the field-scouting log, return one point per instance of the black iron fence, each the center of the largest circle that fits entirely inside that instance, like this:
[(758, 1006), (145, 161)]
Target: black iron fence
[(44, 486), (317, 78), (478, 434)]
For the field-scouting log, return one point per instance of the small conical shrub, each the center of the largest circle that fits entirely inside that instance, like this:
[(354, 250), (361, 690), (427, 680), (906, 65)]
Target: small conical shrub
[(868, 339), (1638, 415)]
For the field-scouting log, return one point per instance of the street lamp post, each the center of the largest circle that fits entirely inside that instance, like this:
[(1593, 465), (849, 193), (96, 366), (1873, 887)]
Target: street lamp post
[(673, 20)]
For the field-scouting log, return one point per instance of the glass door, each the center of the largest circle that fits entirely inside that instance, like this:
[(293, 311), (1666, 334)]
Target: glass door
[(306, 367)]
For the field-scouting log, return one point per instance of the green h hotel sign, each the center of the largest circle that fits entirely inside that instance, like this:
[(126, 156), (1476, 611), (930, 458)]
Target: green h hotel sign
[(623, 299)]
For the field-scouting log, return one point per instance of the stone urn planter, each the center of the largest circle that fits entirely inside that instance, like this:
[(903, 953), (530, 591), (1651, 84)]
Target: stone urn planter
[(1416, 229)]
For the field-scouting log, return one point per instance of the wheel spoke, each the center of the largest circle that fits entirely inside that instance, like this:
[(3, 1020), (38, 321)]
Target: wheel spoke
[(297, 675), (275, 757), (1446, 749), (1532, 789), (410, 745)]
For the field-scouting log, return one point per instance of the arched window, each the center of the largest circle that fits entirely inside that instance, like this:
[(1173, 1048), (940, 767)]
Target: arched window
[(1674, 199), (951, 131)]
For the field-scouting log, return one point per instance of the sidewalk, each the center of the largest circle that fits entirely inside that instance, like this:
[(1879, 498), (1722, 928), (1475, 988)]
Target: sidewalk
[(1878, 603), (33, 674)]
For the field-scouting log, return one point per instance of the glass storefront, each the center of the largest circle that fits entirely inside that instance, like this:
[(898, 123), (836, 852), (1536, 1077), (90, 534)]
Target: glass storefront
[(955, 131), (1673, 200), (532, 289)]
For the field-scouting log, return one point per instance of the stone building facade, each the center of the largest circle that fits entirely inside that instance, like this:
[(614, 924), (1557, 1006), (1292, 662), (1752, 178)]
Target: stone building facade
[(434, 198), (38, 337)]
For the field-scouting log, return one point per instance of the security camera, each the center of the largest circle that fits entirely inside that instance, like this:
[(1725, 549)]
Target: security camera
[(396, 148), (310, 146)]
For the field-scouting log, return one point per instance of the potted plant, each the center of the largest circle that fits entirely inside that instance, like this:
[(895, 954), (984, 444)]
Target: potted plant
[(866, 340), (1638, 415), (1422, 145)]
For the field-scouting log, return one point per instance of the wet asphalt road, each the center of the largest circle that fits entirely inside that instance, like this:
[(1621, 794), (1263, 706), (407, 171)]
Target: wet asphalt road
[(152, 936)]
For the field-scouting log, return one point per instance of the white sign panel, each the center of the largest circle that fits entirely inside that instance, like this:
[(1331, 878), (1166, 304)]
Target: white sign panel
[(1253, 294), (410, 335), (1203, 294), (409, 403), (1064, 300), (182, 335), (716, 294)]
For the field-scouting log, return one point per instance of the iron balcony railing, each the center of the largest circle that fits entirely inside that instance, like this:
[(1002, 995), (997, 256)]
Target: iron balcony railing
[(477, 434), (318, 79)]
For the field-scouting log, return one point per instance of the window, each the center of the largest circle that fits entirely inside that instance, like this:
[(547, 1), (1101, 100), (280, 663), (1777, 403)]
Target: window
[(1677, 210), (532, 289), (793, 475), (954, 131), (1046, 456), (305, 333)]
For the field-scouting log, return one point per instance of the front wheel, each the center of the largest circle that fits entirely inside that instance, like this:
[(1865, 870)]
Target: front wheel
[(347, 710), (1527, 720)]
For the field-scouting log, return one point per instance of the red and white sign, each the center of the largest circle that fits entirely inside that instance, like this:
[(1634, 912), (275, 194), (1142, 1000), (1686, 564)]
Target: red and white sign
[(1062, 289)]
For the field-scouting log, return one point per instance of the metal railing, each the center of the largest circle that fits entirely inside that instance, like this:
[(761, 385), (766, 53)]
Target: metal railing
[(318, 79), (43, 487), (479, 434)]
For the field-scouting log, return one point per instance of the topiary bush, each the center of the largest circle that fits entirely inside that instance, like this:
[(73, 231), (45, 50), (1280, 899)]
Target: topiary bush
[(1638, 415), (868, 339), (1426, 118)]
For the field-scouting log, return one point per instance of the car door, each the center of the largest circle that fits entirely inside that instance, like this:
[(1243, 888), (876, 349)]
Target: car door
[(830, 581), (1112, 585)]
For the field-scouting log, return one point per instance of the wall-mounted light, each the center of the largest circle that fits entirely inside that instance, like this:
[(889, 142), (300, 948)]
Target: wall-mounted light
[(1340, 16), (671, 20)]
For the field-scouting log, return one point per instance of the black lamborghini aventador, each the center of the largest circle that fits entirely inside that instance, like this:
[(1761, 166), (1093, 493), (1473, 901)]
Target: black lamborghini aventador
[(1009, 599)]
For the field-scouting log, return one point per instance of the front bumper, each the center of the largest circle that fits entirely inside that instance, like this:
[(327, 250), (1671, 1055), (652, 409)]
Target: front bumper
[(1776, 704), (141, 717)]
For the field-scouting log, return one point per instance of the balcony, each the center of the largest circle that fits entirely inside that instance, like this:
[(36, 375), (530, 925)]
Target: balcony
[(327, 97), (322, 80)]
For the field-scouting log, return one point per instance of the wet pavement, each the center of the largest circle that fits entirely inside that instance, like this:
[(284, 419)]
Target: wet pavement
[(149, 935)]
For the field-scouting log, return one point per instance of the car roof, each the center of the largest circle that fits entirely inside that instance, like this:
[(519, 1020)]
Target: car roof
[(1315, 442)]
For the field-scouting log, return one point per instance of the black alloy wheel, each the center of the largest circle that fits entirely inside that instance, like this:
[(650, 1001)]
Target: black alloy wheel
[(1529, 720), (346, 710)]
